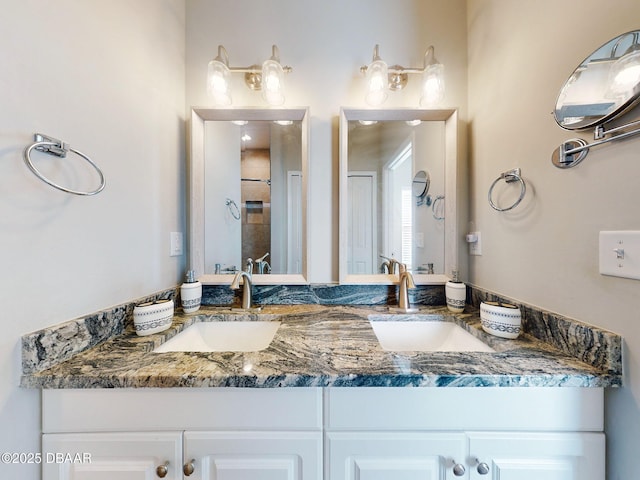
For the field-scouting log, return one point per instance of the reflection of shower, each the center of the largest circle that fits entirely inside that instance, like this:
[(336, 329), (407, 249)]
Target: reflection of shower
[(267, 180), (233, 208), (255, 191)]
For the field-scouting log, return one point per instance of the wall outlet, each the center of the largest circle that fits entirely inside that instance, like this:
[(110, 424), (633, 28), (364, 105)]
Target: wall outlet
[(619, 254), (475, 248), (176, 242)]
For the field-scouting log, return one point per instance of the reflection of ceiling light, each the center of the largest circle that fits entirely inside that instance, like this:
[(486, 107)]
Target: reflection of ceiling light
[(380, 78), (268, 77), (283, 122), (367, 122), (245, 137), (413, 123), (239, 122), (625, 72)]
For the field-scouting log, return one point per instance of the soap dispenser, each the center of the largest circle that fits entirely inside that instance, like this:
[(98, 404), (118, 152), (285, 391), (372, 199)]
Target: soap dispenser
[(190, 293), (455, 293)]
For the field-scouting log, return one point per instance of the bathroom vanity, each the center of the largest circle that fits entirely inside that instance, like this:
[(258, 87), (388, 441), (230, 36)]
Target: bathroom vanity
[(341, 433), (324, 401)]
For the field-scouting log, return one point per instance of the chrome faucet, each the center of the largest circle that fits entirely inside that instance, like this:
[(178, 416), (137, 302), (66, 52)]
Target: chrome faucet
[(249, 267), (246, 289), (389, 265), (406, 282), (263, 265)]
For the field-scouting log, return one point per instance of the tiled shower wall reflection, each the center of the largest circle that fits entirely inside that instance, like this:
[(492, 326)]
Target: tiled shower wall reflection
[(255, 169)]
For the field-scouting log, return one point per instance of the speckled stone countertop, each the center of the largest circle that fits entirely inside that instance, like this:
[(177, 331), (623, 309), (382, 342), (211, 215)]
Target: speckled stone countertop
[(321, 346)]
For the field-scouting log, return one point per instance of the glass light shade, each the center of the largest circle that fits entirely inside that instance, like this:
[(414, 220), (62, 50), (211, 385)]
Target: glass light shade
[(218, 76), (377, 83), (273, 82), (625, 74), (432, 85)]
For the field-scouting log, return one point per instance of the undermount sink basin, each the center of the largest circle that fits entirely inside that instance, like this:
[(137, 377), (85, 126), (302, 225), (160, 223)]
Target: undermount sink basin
[(235, 336), (426, 336)]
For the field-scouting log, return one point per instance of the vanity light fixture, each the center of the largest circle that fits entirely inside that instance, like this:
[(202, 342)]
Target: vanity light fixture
[(268, 77), (380, 78)]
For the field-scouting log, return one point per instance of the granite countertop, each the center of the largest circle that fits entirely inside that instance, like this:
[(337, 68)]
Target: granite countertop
[(317, 346)]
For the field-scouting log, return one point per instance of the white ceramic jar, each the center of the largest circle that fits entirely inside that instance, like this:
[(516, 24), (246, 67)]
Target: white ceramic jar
[(456, 294), (152, 317), (190, 293), (501, 319)]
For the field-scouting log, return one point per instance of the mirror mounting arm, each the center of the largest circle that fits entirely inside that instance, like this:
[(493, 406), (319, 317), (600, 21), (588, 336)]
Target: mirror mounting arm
[(573, 151)]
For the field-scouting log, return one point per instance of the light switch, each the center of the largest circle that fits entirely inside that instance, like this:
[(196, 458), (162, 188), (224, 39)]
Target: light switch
[(176, 247), (475, 246), (620, 254)]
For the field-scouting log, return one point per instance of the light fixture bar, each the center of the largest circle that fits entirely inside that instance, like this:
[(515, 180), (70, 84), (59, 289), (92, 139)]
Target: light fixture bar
[(397, 77), (256, 77)]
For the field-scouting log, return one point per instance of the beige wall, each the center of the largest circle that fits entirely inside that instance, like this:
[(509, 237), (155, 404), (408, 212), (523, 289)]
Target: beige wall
[(546, 251), (326, 42), (107, 77)]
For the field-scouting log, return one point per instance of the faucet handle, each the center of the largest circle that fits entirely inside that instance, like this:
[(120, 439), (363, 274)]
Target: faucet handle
[(404, 273), (249, 267)]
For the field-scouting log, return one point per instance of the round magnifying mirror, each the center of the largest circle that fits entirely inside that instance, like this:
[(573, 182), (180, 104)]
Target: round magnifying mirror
[(605, 85), (420, 185)]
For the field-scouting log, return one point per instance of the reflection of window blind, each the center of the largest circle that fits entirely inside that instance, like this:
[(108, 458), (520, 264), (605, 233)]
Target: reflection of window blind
[(407, 227)]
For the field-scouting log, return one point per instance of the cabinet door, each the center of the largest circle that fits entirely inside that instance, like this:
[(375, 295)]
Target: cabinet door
[(111, 456), (254, 455), (396, 456), (535, 456)]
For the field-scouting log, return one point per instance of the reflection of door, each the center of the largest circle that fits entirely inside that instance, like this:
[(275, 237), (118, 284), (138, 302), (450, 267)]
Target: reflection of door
[(362, 240), (294, 222), (397, 204)]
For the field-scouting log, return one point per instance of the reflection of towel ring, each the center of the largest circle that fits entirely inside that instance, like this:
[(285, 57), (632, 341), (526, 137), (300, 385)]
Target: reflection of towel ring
[(235, 211), (509, 176), (58, 148), (436, 201)]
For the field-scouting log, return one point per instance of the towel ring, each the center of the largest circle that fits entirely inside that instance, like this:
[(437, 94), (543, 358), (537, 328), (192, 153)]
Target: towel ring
[(235, 211), (60, 149), (436, 202), (509, 176)]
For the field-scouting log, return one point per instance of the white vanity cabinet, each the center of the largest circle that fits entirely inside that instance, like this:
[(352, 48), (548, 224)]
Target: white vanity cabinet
[(535, 455), (178, 455), (112, 456), (464, 433), (253, 455), (395, 455), (326, 434), (203, 434)]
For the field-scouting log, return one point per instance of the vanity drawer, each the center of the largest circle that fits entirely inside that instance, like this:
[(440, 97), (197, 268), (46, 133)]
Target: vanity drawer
[(105, 410), (465, 408)]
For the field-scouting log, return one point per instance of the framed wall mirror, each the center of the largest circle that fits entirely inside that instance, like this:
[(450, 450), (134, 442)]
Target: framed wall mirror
[(397, 194), (248, 194)]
